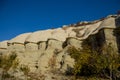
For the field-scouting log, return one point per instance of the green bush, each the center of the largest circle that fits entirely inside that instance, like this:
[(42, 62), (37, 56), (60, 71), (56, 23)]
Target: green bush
[(81, 60), (91, 63)]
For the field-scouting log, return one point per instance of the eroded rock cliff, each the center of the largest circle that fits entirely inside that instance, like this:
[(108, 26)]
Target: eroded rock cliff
[(45, 50)]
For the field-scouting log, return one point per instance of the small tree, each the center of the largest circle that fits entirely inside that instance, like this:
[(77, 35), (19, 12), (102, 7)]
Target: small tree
[(91, 63), (81, 60)]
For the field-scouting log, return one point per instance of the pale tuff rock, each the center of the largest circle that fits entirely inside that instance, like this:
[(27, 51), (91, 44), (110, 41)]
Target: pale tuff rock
[(20, 38), (111, 39), (61, 34), (54, 44), (70, 33), (88, 30), (74, 42), (108, 23), (45, 50), (16, 47), (29, 58), (17, 43), (3, 44), (39, 36), (42, 46), (45, 60), (31, 46), (68, 63), (58, 34)]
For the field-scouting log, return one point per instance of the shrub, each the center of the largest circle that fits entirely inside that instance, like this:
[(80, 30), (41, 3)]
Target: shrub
[(91, 63), (7, 62), (81, 60), (25, 69)]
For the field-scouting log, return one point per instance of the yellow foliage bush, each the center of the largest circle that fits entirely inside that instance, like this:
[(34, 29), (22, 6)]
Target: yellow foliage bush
[(91, 63)]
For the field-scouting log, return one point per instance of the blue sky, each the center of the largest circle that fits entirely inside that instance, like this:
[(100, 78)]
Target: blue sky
[(21, 16)]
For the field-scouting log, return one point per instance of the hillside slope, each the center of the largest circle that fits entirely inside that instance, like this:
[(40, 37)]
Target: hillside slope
[(46, 50)]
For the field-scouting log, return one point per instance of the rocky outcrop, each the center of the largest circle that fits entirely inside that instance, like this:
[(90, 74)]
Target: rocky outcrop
[(28, 40), (3, 46), (17, 43), (31, 46), (45, 50), (42, 46)]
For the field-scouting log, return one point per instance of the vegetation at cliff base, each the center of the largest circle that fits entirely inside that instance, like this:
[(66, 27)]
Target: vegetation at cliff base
[(89, 63), (8, 62)]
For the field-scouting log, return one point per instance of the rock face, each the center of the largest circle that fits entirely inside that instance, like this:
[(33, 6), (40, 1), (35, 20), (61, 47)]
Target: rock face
[(47, 49), (3, 46)]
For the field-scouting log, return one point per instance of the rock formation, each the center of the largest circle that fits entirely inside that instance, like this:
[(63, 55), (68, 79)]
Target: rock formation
[(46, 49)]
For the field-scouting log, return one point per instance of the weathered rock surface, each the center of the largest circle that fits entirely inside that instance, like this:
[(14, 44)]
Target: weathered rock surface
[(46, 50)]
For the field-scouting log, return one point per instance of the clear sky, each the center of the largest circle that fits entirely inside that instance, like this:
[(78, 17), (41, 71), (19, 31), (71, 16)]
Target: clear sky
[(21, 16)]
